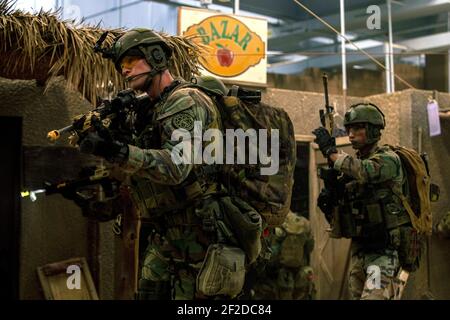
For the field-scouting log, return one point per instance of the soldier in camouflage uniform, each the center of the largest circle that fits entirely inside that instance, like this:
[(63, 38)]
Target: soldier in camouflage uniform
[(287, 276), (370, 212), (178, 201)]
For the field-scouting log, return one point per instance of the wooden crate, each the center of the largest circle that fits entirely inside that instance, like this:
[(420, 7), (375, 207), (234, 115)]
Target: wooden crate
[(54, 278)]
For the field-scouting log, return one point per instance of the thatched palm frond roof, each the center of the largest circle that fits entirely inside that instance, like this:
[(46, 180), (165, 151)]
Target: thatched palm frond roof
[(40, 46)]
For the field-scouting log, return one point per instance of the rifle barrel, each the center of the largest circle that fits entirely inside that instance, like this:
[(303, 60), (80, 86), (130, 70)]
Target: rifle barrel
[(325, 89), (55, 134)]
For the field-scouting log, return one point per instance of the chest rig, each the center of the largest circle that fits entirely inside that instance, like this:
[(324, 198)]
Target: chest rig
[(369, 213), (170, 205)]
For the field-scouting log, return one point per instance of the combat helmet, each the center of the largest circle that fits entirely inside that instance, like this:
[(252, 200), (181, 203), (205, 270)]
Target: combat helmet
[(368, 114), (142, 42), (211, 83)]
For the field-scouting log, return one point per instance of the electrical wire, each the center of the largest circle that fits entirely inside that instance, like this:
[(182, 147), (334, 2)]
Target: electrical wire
[(352, 43), (330, 53)]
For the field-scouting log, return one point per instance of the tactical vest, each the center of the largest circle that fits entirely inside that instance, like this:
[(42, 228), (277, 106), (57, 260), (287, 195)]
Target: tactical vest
[(369, 212), (167, 204)]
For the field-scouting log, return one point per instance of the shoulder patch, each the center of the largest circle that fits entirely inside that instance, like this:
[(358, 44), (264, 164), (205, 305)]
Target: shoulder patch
[(183, 120)]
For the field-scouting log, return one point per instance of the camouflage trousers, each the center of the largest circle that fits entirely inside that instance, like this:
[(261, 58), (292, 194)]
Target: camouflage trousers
[(169, 267), (373, 274)]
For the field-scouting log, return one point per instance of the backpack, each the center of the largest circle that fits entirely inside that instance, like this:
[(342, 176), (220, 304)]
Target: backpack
[(270, 195), (418, 205), (293, 242)]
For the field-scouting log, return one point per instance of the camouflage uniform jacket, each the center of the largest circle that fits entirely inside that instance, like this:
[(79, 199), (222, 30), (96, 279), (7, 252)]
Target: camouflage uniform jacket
[(159, 184), (373, 179), (378, 166)]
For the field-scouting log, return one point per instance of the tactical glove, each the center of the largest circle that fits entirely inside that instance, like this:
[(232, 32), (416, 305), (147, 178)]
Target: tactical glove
[(112, 150), (325, 204), (327, 144)]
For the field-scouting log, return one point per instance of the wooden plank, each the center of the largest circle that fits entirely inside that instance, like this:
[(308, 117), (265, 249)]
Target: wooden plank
[(128, 250), (329, 258), (53, 278)]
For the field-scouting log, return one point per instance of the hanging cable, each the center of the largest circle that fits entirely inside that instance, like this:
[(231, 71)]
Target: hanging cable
[(352, 43)]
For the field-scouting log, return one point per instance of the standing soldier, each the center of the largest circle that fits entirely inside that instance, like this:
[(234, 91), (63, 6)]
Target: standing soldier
[(191, 246), (383, 239)]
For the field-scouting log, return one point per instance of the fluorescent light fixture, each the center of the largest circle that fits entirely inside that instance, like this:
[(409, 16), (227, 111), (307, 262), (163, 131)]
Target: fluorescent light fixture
[(364, 44), (323, 40), (399, 46), (196, 3), (293, 58), (271, 20), (357, 67), (274, 53), (349, 35), (224, 9)]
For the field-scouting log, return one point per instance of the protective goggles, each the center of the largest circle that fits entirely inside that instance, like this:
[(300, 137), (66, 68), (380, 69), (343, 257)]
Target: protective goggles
[(128, 62)]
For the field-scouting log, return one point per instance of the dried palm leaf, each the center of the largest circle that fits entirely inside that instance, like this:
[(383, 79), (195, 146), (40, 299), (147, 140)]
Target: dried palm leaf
[(40, 46)]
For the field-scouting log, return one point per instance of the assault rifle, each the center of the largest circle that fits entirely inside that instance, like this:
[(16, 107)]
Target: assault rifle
[(101, 117), (331, 193), (70, 189), (327, 114)]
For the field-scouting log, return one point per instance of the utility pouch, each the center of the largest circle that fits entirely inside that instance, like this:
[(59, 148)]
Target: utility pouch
[(335, 224), (410, 249), (222, 271), (374, 232), (348, 222), (246, 224), (208, 211)]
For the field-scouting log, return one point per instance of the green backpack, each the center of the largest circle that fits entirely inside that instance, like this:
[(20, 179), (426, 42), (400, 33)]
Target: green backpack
[(270, 195), (292, 242)]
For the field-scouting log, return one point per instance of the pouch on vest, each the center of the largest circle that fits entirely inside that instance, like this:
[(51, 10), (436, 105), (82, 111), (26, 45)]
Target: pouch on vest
[(246, 224), (294, 240), (292, 251), (222, 271), (347, 219), (374, 232)]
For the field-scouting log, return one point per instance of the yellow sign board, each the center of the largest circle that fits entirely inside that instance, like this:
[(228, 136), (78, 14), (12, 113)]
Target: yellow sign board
[(236, 48)]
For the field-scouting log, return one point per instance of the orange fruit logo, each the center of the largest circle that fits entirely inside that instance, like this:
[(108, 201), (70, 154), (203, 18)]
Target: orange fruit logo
[(232, 48)]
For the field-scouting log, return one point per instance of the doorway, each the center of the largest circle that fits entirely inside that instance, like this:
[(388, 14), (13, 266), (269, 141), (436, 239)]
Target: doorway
[(300, 191), (10, 175)]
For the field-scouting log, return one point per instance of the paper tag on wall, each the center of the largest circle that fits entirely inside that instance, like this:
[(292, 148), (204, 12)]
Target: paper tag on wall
[(433, 118)]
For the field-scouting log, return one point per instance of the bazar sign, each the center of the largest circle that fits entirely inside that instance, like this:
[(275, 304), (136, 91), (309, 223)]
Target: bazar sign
[(234, 46)]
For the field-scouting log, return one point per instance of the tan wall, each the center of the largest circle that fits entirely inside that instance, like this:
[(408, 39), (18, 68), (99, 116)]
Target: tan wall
[(360, 83), (52, 228), (303, 107), (438, 149)]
